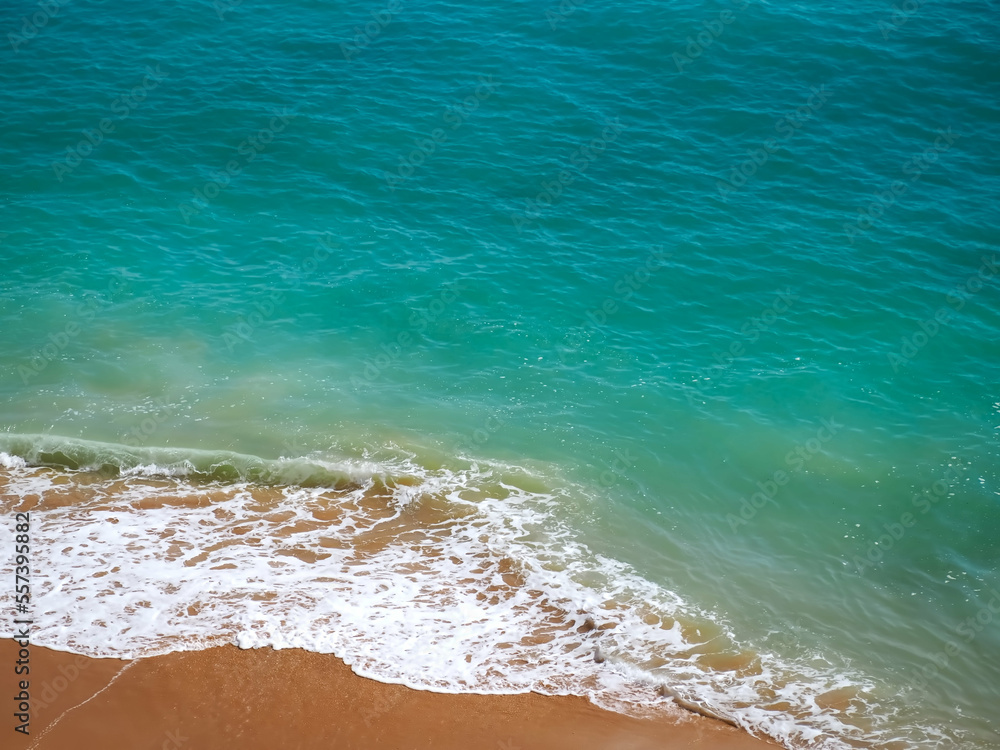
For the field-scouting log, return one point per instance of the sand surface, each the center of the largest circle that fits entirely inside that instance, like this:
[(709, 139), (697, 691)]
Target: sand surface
[(265, 699)]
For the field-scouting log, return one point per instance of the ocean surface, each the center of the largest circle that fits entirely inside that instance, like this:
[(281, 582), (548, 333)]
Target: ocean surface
[(569, 346)]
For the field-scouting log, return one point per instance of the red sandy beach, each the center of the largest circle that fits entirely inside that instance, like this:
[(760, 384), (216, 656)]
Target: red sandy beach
[(227, 698)]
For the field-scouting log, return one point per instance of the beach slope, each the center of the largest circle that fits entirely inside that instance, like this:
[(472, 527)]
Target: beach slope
[(262, 699)]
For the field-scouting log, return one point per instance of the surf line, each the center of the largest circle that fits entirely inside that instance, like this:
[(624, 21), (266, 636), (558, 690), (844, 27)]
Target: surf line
[(666, 691), (662, 689)]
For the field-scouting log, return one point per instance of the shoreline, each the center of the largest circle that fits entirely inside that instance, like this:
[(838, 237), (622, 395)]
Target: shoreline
[(259, 699)]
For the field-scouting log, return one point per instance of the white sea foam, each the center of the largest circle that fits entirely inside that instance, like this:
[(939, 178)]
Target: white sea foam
[(453, 581), (11, 462)]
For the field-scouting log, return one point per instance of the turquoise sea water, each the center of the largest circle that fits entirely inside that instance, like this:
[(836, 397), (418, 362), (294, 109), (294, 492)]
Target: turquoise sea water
[(705, 295)]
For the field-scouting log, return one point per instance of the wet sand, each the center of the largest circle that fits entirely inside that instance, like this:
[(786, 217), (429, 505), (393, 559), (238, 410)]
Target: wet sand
[(264, 699)]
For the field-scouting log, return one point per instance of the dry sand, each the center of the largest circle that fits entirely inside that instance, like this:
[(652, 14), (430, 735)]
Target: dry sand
[(263, 699)]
